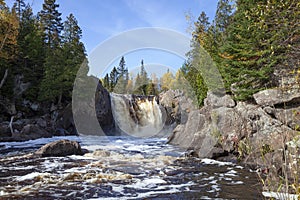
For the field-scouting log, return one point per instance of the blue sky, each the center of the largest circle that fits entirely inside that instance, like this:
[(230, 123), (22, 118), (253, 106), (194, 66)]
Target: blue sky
[(103, 19)]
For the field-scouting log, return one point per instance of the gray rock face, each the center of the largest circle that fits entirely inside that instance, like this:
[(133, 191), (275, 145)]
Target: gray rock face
[(216, 101), (60, 148), (103, 109), (177, 106), (92, 109), (272, 97), (222, 126)]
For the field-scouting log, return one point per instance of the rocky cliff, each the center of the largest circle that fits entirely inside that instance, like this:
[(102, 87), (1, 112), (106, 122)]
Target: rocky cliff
[(252, 132), (25, 120)]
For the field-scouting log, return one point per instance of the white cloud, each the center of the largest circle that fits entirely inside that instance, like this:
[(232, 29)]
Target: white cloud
[(158, 13)]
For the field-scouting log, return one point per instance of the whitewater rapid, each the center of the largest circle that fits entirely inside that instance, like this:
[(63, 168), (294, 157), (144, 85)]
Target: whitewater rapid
[(120, 167)]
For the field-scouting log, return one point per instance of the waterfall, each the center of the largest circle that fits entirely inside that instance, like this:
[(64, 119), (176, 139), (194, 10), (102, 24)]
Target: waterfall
[(138, 116)]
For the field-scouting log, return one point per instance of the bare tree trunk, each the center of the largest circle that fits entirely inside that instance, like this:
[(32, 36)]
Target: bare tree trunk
[(59, 100), (10, 124), (4, 78), (1, 47)]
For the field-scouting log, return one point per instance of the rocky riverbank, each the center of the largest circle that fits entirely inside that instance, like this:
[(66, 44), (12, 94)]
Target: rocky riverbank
[(255, 133)]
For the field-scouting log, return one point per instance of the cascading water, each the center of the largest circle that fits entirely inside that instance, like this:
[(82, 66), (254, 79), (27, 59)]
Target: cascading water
[(138, 116)]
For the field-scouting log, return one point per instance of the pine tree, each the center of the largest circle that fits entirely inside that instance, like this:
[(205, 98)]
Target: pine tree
[(30, 51), (122, 77), (223, 15), (144, 80), (113, 78), (105, 82), (138, 85), (73, 53), (62, 64), (51, 23), (246, 62), (197, 65), (19, 6), (201, 28)]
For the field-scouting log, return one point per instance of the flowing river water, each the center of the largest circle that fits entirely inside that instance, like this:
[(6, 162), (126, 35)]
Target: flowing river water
[(120, 168), (140, 165)]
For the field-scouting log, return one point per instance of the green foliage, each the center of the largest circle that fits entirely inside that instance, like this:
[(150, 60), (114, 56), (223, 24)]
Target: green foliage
[(30, 51), (119, 81), (62, 64), (246, 45), (196, 82), (49, 72)]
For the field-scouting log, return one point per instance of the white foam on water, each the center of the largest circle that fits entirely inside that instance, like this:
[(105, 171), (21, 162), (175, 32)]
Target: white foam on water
[(146, 183), (75, 169), (16, 168), (31, 176), (231, 173), (77, 157), (209, 178), (2, 193), (237, 182), (239, 167), (215, 162), (205, 198), (214, 188), (162, 189), (51, 165)]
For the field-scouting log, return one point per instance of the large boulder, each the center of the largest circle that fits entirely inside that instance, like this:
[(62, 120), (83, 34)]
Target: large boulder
[(218, 100), (195, 135), (60, 148), (275, 96)]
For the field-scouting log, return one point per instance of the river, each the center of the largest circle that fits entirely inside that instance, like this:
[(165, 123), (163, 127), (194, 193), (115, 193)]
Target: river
[(120, 168)]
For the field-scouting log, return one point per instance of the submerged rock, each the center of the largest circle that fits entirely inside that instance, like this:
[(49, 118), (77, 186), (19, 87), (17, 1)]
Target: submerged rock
[(60, 148)]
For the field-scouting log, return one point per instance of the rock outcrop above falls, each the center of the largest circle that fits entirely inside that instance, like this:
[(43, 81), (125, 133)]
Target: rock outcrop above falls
[(248, 130), (177, 107)]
